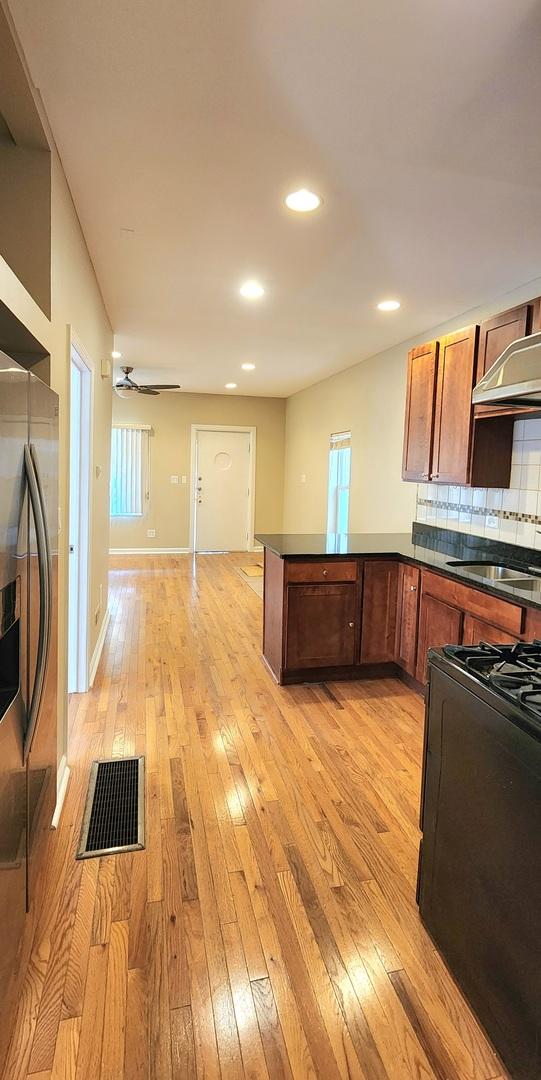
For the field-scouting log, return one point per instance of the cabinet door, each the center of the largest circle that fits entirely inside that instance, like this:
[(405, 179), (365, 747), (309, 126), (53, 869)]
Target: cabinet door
[(454, 410), (407, 618), (439, 624), (494, 336), (321, 628), (380, 584), (420, 403), (476, 630)]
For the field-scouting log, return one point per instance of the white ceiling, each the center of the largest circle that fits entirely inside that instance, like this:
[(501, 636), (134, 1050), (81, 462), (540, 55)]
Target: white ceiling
[(188, 121)]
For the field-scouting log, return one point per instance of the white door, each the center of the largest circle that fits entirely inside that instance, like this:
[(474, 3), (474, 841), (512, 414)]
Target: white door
[(222, 491)]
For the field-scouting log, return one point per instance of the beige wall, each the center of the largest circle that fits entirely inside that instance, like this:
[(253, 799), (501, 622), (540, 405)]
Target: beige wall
[(76, 309), (171, 417), (369, 399)]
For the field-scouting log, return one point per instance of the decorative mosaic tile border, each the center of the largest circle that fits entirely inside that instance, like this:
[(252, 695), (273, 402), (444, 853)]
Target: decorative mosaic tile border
[(481, 511)]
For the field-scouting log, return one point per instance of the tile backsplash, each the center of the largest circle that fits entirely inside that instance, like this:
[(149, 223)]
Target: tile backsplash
[(512, 514)]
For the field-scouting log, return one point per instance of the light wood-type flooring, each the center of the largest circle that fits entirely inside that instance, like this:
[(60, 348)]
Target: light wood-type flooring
[(269, 929)]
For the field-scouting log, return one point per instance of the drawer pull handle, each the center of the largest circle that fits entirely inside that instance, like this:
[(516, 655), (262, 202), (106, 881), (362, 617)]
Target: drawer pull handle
[(413, 588), (325, 572)]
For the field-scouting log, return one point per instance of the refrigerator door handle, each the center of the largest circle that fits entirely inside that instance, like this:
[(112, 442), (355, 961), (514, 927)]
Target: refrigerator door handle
[(36, 503)]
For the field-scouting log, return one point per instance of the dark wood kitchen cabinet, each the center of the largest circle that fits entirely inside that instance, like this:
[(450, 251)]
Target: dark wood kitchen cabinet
[(439, 624), (442, 441), (322, 628), (495, 335), (420, 406), (407, 617), (380, 587)]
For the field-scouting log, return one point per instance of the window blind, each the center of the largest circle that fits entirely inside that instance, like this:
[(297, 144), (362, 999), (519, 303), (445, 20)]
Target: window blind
[(130, 472)]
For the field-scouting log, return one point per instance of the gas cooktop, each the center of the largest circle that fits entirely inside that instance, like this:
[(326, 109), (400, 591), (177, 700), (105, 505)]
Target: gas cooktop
[(513, 671)]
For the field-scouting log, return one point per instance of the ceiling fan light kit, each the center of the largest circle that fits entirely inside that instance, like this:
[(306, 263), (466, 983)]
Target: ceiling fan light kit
[(126, 386)]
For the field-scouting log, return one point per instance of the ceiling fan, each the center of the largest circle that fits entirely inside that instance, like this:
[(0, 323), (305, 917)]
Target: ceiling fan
[(127, 386)]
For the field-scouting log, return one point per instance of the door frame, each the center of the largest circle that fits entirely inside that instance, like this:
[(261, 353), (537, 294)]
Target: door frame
[(82, 362), (193, 473)]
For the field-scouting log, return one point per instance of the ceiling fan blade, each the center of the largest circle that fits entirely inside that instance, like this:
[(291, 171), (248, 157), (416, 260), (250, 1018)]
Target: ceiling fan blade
[(163, 386), (145, 390)]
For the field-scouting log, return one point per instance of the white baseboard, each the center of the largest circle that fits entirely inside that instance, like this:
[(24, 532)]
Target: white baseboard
[(98, 649), (62, 782), (149, 551)]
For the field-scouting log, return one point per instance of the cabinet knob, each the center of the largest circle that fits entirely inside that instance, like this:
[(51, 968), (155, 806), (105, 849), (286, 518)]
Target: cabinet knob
[(352, 624), (425, 475), (435, 475), (413, 588), (325, 572)]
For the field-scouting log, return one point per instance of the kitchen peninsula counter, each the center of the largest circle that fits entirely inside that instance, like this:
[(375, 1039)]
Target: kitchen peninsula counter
[(366, 604)]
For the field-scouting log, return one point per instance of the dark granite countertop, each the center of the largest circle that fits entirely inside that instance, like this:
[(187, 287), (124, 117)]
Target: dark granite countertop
[(426, 545)]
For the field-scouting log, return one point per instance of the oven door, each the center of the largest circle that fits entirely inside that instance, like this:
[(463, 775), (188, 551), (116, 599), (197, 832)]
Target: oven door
[(480, 874)]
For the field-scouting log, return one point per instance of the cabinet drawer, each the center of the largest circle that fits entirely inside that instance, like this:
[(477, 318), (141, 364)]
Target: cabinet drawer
[(330, 570), (489, 608)]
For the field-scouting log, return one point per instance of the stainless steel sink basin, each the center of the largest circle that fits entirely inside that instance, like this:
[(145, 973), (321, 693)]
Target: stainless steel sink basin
[(492, 572)]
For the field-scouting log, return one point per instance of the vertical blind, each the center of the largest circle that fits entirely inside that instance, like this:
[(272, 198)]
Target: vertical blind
[(130, 472), (339, 474)]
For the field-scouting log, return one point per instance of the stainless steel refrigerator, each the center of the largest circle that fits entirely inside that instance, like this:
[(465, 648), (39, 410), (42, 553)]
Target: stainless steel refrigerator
[(28, 656)]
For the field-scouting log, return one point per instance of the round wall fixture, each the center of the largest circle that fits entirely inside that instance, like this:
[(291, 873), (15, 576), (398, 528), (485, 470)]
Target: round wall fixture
[(223, 460)]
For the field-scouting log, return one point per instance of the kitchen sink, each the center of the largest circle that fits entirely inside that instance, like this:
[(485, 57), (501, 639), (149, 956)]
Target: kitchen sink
[(506, 574)]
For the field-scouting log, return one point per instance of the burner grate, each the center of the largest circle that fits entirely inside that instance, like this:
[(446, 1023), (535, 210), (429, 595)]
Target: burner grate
[(114, 813)]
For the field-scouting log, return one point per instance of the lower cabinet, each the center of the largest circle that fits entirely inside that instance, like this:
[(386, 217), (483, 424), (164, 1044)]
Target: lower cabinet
[(439, 624), (407, 617), (476, 630), (322, 628), (380, 587)]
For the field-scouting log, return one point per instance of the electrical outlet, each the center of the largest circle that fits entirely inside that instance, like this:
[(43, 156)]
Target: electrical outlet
[(303, 478), (491, 521), (151, 532)]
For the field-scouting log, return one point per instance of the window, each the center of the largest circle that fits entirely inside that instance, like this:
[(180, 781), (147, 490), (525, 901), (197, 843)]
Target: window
[(339, 471), (130, 472)]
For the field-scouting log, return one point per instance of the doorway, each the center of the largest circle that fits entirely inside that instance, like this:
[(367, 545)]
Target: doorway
[(223, 483), (79, 493)]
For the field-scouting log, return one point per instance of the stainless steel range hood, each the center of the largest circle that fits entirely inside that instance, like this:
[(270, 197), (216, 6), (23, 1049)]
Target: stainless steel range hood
[(515, 377)]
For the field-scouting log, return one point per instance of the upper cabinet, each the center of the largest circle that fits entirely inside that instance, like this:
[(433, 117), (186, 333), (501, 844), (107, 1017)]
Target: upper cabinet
[(442, 441), (494, 336), (451, 450), (420, 404)]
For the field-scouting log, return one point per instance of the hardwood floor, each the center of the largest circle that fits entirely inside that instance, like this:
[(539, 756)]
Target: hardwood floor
[(269, 929)]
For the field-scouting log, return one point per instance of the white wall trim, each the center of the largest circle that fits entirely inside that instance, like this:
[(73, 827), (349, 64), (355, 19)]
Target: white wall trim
[(62, 781), (149, 551), (98, 649), (252, 431)]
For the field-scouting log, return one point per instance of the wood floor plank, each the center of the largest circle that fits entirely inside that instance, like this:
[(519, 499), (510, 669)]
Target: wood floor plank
[(270, 929)]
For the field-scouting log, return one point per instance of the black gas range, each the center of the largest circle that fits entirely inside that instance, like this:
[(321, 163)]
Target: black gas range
[(479, 887), (512, 671)]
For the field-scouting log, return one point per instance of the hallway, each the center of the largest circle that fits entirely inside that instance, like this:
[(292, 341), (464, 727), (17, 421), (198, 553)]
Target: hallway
[(270, 928)]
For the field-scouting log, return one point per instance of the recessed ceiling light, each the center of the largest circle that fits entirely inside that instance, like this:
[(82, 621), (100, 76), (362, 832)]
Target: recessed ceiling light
[(231, 386), (303, 201), (251, 290), (116, 355), (389, 305), (248, 367)]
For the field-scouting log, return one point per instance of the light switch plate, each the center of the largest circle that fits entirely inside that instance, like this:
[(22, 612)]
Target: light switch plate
[(151, 532), (184, 479), (174, 479)]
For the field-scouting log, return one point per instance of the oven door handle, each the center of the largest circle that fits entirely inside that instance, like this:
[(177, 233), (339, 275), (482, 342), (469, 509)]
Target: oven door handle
[(45, 600)]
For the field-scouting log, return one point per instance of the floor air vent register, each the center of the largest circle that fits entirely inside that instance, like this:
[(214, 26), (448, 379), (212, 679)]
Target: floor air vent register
[(114, 817)]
